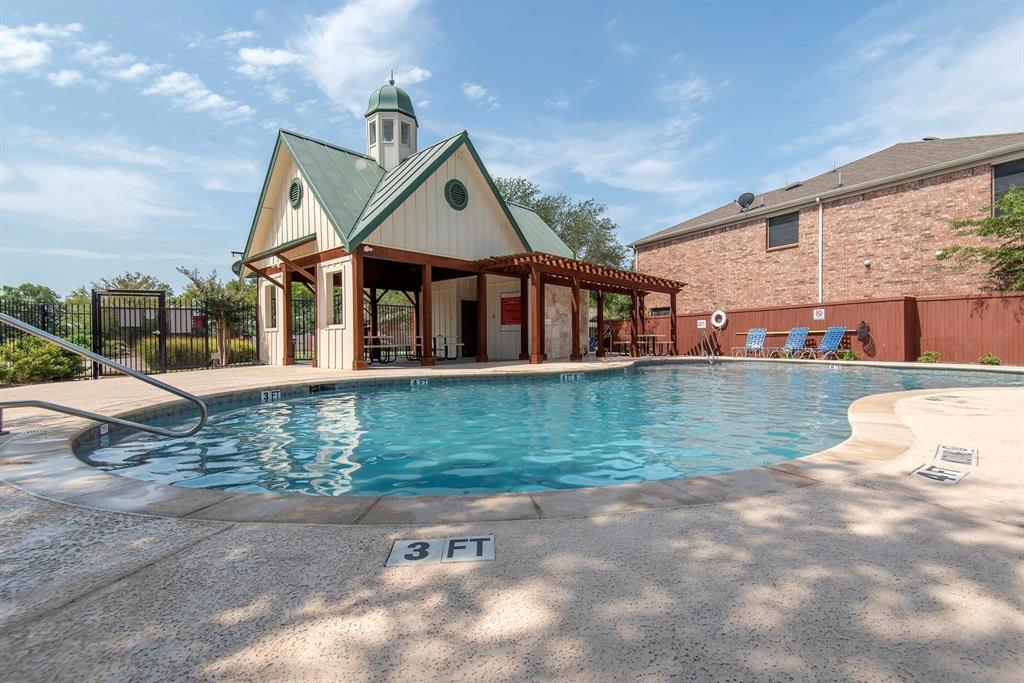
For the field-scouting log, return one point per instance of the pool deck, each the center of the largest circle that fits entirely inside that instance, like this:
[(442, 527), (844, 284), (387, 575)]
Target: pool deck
[(847, 570)]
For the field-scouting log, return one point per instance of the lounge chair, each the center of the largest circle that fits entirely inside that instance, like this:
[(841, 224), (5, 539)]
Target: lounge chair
[(755, 343), (795, 344), (829, 345)]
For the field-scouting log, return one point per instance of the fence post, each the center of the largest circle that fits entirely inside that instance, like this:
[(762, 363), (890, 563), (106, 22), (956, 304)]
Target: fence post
[(97, 333)]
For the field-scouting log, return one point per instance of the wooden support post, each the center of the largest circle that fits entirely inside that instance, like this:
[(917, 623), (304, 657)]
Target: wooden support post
[(427, 316), (358, 360), (524, 318), (481, 318), (575, 354), (542, 331), (634, 349), (289, 349), (536, 317), (675, 323), (600, 324)]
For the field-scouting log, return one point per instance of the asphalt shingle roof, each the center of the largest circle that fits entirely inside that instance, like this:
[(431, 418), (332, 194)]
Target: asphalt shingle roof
[(900, 158)]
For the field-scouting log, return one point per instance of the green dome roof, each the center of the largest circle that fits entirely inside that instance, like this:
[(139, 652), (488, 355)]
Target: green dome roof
[(390, 98)]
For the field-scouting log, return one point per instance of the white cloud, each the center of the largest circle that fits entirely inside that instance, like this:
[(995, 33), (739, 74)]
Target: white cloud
[(135, 72), (560, 101), (99, 55), (187, 91), (26, 48), (880, 47), (261, 62), (477, 93), (65, 78), (943, 87), (6, 173), (349, 52), (100, 199), (227, 174), (685, 93), (231, 37)]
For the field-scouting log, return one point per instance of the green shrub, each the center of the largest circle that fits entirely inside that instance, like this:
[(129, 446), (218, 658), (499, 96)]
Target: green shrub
[(928, 357), (989, 359), (848, 354), (242, 351), (30, 360), (181, 353)]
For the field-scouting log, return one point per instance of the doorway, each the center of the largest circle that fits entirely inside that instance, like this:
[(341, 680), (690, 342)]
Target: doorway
[(469, 322)]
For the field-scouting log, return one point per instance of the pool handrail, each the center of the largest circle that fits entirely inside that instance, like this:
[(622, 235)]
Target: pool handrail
[(78, 412)]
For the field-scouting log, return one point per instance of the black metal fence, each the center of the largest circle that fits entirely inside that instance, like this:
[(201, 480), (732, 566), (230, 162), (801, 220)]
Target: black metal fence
[(303, 329), (140, 330)]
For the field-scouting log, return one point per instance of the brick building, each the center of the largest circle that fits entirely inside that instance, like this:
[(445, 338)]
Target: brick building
[(869, 229)]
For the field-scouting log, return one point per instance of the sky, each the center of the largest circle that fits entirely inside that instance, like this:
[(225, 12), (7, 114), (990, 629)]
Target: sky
[(136, 136)]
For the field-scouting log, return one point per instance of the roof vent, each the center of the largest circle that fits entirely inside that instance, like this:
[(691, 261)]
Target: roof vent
[(793, 186), (745, 200), (295, 193), (928, 139)]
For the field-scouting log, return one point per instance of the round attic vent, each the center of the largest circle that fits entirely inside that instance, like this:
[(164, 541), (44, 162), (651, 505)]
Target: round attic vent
[(456, 194), (295, 193)]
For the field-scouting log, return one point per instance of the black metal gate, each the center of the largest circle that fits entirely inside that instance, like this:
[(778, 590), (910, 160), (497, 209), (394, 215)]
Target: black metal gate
[(303, 329), (128, 326)]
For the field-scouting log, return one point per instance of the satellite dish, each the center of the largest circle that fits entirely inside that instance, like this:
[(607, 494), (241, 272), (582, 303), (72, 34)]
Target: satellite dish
[(745, 200)]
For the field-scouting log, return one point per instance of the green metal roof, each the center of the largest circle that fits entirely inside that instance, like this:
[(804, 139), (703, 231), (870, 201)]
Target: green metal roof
[(537, 233), (358, 195), (390, 98)]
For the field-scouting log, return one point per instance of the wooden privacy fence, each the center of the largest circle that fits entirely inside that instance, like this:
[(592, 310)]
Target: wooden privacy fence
[(960, 328)]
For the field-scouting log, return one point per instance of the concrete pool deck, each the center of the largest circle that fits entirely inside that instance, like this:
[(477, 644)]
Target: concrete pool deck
[(862, 574)]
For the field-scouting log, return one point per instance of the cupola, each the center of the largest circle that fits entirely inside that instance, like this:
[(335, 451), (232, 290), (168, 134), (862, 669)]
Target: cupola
[(390, 125)]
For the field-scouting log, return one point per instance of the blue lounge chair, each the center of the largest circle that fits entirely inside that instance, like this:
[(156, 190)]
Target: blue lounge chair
[(829, 345), (795, 344), (755, 343)]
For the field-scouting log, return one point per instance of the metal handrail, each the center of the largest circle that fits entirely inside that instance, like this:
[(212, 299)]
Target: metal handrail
[(706, 343), (85, 353)]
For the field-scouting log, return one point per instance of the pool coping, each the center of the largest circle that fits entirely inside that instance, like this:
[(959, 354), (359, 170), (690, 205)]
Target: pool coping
[(44, 463)]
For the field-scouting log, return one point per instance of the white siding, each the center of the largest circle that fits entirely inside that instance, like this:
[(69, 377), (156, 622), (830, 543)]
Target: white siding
[(271, 340), (426, 223), (334, 342)]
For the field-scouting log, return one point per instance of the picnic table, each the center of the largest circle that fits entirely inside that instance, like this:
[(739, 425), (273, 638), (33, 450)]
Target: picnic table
[(379, 348)]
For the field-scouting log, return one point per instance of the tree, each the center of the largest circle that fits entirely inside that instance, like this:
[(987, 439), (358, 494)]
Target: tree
[(225, 304), (28, 294), (1004, 228), (582, 225), (134, 281)]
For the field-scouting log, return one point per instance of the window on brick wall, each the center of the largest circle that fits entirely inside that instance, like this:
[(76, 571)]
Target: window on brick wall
[(660, 311), (783, 231), (1007, 176)]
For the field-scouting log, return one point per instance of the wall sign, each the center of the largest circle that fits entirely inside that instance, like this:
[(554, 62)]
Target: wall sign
[(819, 314), (468, 548), (702, 324), (511, 311), (270, 395)]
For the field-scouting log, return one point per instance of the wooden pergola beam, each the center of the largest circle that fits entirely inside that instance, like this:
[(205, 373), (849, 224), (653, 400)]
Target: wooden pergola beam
[(295, 268), (266, 276)]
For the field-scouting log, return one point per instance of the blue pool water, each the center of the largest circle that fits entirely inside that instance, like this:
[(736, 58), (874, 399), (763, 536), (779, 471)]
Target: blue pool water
[(523, 434)]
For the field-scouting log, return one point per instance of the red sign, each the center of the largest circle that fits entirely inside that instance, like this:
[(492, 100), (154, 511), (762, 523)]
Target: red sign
[(511, 311)]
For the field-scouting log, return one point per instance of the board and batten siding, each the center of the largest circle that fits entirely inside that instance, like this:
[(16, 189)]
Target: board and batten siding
[(425, 222), (271, 339), (334, 341)]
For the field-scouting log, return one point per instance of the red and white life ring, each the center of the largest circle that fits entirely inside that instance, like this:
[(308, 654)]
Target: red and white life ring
[(719, 318)]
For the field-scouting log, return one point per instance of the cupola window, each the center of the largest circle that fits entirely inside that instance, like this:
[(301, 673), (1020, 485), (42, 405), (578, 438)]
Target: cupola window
[(387, 127), (406, 133), (373, 133)]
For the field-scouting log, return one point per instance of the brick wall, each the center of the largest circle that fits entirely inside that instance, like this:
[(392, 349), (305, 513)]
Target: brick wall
[(898, 229)]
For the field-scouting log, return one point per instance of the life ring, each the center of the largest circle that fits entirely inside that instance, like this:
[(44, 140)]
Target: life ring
[(718, 319)]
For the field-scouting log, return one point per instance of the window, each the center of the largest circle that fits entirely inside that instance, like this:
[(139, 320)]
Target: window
[(1005, 177), (660, 311), (387, 128), (271, 302), (406, 133), (373, 133), (337, 299), (783, 231)]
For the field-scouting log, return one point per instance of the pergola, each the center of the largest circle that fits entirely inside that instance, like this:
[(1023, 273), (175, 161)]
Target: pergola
[(535, 269)]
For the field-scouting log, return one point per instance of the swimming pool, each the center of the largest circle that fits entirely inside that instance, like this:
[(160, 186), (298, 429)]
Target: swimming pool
[(522, 434)]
